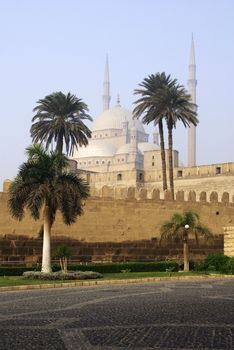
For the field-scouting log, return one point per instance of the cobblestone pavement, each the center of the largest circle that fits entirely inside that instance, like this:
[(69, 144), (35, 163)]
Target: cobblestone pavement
[(162, 315)]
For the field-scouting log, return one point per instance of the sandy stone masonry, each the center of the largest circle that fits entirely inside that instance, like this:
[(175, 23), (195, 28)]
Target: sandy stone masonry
[(229, 240)]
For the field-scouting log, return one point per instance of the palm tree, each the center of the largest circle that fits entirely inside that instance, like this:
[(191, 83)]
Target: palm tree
[(43, 186), (150, 105), (60, 118), (163, 99), (180, 227), (176, 105)]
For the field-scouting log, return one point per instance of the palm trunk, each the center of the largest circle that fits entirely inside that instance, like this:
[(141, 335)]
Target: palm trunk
[(59, 146), (163, 157), (46, 258), (170, 160), (186, 255)]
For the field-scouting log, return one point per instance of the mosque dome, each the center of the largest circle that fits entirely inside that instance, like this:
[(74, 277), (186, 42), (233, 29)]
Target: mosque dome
[(98, 148), (146, 146), (114, 118)]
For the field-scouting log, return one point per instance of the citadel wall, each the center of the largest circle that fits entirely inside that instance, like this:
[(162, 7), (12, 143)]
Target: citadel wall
[(120, 222)]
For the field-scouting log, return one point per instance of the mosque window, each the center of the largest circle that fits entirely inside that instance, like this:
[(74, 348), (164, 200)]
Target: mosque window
[(103, 161), (180, 173), (106, 134), (97, 162), (89, 162), (100, 135), (218, 170), (122, 159), (119, 177), (80, 163), (152, 157), (152, 163), (140, 177), (116, 134)]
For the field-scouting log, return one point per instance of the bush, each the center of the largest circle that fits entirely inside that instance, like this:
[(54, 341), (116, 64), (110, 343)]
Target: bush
[(191, 265), (78, 275), (228, 267), (14, 271), (157, 266), (216, 262), (160, 266)]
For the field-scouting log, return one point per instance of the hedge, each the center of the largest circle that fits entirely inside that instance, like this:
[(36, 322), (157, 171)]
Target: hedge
[(158, 266)]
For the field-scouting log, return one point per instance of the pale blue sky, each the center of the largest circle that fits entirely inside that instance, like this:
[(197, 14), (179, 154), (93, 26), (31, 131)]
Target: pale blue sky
[(52, 45)]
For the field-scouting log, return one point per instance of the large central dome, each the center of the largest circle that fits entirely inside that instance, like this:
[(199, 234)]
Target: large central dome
[(114, 118)]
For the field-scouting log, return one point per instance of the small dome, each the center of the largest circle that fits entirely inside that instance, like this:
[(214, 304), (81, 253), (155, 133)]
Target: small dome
[(113, 119), (125, 149), (146, 146), (96, 149)]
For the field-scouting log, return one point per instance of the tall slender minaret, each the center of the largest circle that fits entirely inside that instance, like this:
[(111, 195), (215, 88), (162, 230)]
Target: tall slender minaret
[(192, 82), (106, 87)]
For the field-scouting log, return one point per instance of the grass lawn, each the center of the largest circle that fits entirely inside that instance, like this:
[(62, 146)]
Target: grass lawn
[(19, 281)]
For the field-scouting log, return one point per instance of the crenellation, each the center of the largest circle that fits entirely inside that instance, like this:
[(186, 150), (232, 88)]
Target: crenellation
[(192, 196), (180, 196), (225, 198), (203, 197), (214, 197)]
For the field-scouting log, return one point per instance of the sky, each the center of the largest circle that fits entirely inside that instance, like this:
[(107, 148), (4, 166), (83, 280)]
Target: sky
[(61, 45)]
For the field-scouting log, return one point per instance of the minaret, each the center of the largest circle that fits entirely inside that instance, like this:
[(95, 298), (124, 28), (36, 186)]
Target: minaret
[(192, 82), (106, 87)]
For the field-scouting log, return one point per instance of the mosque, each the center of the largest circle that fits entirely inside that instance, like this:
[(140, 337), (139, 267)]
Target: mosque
[(120, 154)]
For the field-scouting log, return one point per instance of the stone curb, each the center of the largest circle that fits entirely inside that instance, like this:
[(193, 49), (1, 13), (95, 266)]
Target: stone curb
[(109, 282)]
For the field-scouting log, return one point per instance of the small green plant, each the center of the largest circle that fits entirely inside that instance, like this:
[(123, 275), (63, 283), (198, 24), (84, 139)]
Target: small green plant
[(170, 270), (126, 270), (63, 252)]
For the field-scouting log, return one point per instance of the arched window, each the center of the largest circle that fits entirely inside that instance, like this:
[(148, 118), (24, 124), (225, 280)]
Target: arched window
[(119, 177)]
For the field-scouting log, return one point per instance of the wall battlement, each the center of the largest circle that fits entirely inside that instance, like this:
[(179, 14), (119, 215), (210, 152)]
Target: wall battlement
[(142, 193)]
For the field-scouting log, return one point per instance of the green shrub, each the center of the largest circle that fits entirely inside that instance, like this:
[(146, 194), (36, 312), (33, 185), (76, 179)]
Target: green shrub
[(14, 271), (78, 275), (159, 266), (216, 262), (228, 267)]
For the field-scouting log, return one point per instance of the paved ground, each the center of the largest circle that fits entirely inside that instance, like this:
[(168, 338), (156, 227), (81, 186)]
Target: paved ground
[(163, 315)]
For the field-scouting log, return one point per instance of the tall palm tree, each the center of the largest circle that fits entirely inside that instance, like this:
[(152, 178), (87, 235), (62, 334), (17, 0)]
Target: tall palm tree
[(43, 186), (60, 118), (180, 227), (176, 105), (150, 107)]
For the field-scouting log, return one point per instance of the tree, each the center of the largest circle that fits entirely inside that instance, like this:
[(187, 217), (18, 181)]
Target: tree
[(63, 252), (43, 186), (60, 118), (180, 227), (149, 104), (176, 105), (163, 99)]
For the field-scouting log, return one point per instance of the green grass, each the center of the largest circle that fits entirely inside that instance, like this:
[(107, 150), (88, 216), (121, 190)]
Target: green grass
[(19, 281)]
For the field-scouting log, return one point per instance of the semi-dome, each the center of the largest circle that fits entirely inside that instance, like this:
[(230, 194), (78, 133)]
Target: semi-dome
[(98, 148), (125, 149), (114, 118), (146, 146)]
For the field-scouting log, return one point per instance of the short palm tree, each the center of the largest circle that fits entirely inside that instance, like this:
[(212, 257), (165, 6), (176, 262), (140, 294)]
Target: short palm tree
[(60, 118), (180, 227), (149, 106), (43, 186)]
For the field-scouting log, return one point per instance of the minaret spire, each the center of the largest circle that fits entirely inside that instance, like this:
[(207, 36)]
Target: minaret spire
[(106, 87), (192, 82)]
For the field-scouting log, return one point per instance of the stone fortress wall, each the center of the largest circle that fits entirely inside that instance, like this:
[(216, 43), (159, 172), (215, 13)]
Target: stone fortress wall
[(118, 224)]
